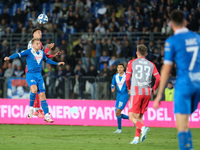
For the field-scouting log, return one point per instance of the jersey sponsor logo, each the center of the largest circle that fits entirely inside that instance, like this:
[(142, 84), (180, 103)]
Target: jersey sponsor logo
[(192, 41)]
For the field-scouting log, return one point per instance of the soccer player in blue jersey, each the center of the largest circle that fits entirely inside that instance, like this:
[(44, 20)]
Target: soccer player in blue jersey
[(34, 57), (183, 48), (119, 82)]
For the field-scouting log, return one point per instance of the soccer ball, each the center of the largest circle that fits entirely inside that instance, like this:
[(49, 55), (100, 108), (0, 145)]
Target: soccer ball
[(42, 19)]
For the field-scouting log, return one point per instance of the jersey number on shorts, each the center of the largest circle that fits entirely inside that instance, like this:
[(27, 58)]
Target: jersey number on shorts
[(193, 49), (141, 70)]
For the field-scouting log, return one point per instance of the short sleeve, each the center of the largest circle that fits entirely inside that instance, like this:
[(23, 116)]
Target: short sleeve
[(29, 45), (23, 53), (169, 52), (129, 67), (44, 57)]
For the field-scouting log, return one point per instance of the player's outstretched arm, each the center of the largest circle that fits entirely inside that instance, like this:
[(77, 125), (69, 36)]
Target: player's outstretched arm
[(61, 63), (164, 78), (18, 55)]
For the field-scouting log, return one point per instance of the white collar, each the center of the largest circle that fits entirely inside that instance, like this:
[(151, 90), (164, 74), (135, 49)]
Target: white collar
[(181, 30), (122, 75)]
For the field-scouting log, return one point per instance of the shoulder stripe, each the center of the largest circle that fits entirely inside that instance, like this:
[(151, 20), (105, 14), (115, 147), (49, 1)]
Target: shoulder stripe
[(168, 62), (155, 73), (19, 55), (128, 72)]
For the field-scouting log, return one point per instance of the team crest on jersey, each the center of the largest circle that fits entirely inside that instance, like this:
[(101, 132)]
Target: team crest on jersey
[(37, 57)]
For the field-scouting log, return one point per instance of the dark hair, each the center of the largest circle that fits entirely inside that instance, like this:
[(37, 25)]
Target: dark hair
[(142, 49), (36, 30), (177, 17), (120, 64), (170, 82)]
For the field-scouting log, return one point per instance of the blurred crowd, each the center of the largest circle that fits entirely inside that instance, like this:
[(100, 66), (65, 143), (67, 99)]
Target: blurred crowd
[(95, 52)]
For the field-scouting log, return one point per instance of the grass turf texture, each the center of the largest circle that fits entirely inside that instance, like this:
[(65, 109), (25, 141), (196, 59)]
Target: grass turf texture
[(45, 137)]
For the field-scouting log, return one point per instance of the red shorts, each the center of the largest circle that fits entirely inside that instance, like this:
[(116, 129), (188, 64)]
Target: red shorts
[(138, 103)]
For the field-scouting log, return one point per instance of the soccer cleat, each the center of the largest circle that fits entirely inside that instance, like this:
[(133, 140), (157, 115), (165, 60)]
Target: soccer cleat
[(30, 113), (135, 140), (118, 131), (144, 132), (47, 118), (39, 113)]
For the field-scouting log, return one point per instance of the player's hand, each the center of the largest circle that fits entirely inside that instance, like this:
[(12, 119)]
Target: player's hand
[(6, 59), (51, 45), (153, 92), (129, 92), (58, 53), (61, 63), (157, 100), (113, 89)]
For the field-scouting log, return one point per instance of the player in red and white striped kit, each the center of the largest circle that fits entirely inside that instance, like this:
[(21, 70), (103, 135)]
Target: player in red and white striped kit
[(37, 33), (138, 80)]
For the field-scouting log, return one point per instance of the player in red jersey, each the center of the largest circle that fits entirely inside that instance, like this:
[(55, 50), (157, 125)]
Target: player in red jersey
[(141, 71), (37, 33)]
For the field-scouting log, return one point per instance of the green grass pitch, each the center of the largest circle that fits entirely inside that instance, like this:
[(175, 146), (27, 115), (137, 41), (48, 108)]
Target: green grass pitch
[(47, 137)]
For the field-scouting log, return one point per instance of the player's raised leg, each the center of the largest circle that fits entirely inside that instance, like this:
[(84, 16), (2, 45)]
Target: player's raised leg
[(33, 89)]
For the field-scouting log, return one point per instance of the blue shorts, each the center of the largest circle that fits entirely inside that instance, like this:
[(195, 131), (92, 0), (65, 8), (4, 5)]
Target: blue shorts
[(186, 99), (36, 79), (121, 102)]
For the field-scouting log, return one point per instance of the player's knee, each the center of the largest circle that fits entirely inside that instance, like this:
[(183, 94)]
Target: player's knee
[(118, 112), (182, 127), (34, 89)]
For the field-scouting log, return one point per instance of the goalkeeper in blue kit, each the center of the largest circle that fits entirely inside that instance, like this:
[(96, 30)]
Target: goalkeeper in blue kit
[(34, 57)]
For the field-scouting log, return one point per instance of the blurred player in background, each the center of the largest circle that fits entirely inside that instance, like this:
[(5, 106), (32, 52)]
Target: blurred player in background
[(141, 71), (183, 48), (37, 33), (119, 83), (34, 57)]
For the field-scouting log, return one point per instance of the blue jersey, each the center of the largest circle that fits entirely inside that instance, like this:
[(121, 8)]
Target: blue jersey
[(122, 92), (34, 59), (183, 48), (120, 85)]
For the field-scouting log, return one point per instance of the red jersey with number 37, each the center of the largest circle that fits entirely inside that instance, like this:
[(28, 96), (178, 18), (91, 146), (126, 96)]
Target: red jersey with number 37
[(139, 75)]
